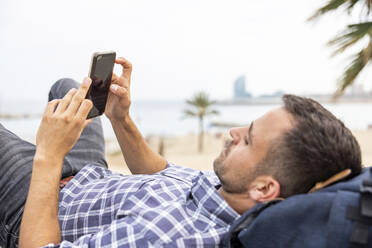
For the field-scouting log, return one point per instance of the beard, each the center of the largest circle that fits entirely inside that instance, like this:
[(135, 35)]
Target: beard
[(218, 164), (230, 185)]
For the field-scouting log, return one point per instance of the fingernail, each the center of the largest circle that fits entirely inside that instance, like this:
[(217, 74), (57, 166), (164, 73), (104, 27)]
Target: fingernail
[(86, 81), (114, 87)]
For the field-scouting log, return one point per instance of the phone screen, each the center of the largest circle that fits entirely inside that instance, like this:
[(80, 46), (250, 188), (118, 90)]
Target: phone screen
[(100, 73)]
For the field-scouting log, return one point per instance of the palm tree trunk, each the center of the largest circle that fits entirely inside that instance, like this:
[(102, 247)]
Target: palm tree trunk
[(201, 135)]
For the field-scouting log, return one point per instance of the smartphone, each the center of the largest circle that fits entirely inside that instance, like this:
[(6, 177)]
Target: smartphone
[(100, 72)]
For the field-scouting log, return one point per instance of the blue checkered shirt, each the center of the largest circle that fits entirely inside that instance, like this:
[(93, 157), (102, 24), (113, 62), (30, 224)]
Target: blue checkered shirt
[(176, 207)]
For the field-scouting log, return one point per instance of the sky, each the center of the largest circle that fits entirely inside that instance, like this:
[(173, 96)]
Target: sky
[(176, 47)]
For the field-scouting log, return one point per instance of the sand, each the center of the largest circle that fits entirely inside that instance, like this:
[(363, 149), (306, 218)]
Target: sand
[(364, 138), (183, 150), (180, 150)]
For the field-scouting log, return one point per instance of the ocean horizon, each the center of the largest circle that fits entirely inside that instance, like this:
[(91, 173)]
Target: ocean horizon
[(166, 117)]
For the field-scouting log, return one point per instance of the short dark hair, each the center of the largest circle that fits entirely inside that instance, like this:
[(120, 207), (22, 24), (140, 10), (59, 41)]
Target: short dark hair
[(316, 148)]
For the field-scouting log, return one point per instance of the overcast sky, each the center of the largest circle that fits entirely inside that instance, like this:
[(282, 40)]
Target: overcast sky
[(176, 47)]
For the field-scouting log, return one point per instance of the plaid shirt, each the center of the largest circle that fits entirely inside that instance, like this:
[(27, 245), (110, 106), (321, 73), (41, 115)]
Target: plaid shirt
[(176, 207)]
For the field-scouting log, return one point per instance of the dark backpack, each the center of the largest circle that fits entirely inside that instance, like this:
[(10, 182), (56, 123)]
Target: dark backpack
[(337, 216)]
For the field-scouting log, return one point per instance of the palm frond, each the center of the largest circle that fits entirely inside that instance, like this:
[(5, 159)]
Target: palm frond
[(369, 6), (213, 112), (352, 71), (187, 113), (351, 35), (200, 99), (201, 104), (331, 6), (190, 112)]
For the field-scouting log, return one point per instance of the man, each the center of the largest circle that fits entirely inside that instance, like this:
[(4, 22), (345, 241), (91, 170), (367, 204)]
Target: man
[(282, 153)]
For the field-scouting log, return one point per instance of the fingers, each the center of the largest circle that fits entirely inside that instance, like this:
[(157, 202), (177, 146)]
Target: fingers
[(127, 67), (63, 104), (84, 109), (118, 90), (51, 106), (86, 123), (79, 96)]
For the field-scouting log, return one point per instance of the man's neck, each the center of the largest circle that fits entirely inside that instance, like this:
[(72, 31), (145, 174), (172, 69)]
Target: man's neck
[(239, 202)]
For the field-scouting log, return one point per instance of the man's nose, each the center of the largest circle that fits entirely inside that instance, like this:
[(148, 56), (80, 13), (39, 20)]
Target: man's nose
[(234, 133)]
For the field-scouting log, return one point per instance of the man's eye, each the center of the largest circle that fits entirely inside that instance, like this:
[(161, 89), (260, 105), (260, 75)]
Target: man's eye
[(246, 140)]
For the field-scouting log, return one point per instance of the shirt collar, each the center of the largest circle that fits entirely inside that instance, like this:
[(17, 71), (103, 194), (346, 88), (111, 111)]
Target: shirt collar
[(206, 197)]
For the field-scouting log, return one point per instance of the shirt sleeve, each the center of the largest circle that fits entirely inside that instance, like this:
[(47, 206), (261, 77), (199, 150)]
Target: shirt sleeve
[(125, 232)]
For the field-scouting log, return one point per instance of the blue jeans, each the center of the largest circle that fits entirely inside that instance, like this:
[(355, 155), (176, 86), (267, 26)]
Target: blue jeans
[(16, 159)]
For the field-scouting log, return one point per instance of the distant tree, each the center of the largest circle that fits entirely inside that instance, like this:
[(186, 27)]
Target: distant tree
[(200, 105), (350, 36)]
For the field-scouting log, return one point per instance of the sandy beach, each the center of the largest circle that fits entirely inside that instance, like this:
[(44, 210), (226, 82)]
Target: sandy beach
[(182, 150)]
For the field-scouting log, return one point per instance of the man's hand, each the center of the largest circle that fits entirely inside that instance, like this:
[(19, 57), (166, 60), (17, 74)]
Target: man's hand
[(118, 101), (137, 154), (61, 126), (63, 122)]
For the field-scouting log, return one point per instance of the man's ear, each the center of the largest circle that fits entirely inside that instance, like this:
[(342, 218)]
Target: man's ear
[(264, 188)]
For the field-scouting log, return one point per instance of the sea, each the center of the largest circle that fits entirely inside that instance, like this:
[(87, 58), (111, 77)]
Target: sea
[(166, 118)]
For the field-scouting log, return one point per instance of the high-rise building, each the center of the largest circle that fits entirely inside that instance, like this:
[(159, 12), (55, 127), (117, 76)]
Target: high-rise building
[(240, 89)]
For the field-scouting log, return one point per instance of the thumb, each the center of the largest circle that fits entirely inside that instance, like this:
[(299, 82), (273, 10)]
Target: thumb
[(118, 90)]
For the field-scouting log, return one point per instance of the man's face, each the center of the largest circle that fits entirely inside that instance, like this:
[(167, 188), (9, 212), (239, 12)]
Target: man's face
[(235, 165)]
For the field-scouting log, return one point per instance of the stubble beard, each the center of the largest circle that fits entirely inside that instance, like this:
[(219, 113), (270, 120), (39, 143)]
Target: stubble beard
[(220, 168), (230, 185), (218, 164)]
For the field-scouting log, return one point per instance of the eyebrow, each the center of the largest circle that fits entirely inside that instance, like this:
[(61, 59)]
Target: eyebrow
[(250, 133)]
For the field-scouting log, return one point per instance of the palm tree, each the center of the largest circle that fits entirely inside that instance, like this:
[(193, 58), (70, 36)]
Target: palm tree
[(350, 36), (200, 107)]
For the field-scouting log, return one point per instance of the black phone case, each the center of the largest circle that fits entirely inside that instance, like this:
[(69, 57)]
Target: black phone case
[(101, 73)]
